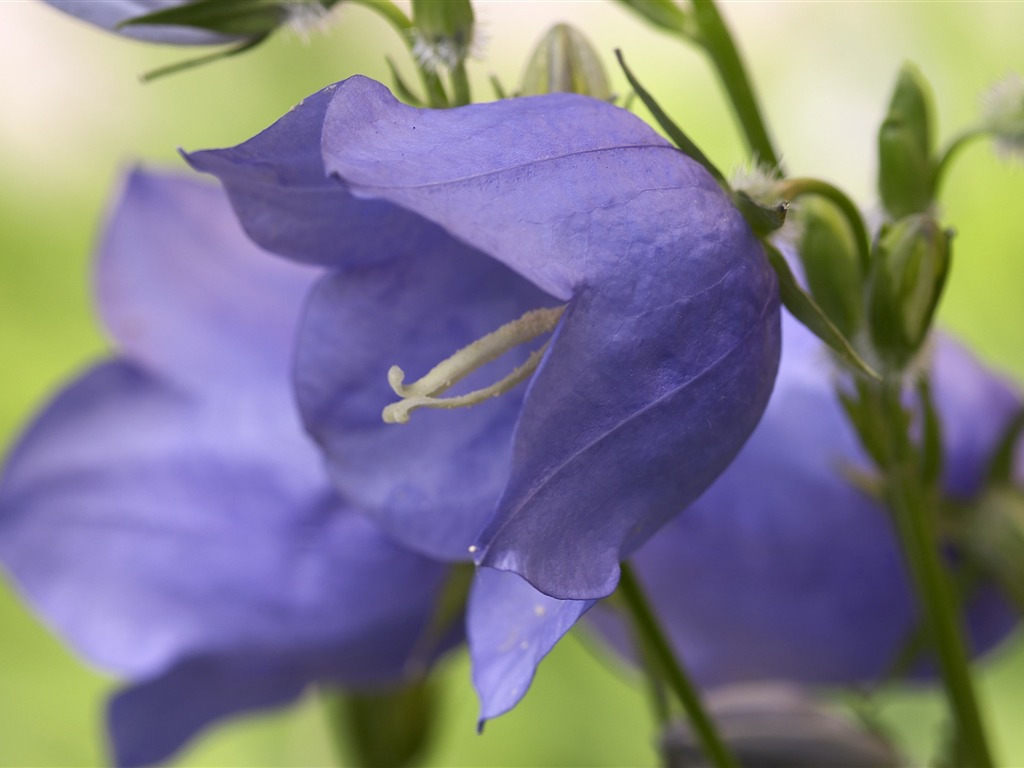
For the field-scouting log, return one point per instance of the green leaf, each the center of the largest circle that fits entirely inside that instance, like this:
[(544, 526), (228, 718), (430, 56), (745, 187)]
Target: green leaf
[(932, 458), (806, 310), (675, 133), (763, 220)]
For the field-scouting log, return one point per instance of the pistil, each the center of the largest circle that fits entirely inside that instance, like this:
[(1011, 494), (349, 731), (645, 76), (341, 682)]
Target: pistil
[(423, 392)]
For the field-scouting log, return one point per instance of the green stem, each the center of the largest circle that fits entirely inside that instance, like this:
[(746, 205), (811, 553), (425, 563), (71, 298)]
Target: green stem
[(718, 42), (790, 189), (951, 151), (907, 500), (658, 646)]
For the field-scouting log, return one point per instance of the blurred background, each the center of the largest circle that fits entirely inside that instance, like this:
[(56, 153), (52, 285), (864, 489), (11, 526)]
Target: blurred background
[(74, 116)]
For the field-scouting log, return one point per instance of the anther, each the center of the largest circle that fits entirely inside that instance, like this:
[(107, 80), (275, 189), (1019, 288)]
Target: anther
[(423, 392)]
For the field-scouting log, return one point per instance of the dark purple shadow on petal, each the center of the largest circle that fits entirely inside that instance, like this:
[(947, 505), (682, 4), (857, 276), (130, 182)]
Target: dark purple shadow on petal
[(782, 569), (109, 13), (511, 628), (431, 483), (147, 527), (186, 293), (289, 205)]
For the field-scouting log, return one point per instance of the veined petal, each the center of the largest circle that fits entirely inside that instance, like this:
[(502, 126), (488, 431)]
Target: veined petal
[(511, 627), (186, 293), (431, 483), (784, 569)]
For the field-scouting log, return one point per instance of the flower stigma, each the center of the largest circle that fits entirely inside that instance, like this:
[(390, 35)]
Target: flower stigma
[(423, 392)]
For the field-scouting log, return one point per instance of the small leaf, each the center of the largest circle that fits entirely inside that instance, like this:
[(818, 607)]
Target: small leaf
[(181, 66), (806, 310), (932, 458), (664, 14)]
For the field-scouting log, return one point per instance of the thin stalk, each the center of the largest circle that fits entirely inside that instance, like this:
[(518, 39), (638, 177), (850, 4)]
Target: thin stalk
[(907, 500), (951, 151), (718, 42), (657, 644)]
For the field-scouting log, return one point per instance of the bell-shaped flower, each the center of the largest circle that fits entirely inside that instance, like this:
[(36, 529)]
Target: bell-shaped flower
[(167, 514), (784, 569), (461, 236)]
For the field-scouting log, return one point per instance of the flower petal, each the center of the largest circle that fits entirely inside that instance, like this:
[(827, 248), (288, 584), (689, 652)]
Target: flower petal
[(186, 293), (289, 205), (108, 14), (148, 526), (431, 483), (511, 627), (783, 569)]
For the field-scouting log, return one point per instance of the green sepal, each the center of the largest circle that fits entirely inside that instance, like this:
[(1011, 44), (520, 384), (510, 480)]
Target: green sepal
[(828, 253), (385, 728), (806, 310), (181, 66), (673, 131), (239, 18), (932, 454), (906, 169), (763, 219), (992, 532), (1001, 465), (403, 91), (664, 14), (910, 264), (564, 61)]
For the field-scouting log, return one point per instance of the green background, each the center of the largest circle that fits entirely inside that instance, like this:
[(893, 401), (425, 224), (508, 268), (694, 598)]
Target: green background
[(73, 116)]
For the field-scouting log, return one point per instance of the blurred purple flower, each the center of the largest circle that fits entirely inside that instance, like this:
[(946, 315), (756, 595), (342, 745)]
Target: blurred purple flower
[(443, 226), (782, 569), (167, 514)]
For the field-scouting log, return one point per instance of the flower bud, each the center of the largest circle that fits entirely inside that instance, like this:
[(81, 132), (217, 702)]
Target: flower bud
[(909, 268), (564, 61), (905, 168), (829, 256), (443, 32)]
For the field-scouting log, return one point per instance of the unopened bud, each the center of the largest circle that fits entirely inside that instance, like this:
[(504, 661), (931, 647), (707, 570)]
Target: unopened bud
[(831, 266), (905, 165), (564, 61), (909, 268), (443, 32)]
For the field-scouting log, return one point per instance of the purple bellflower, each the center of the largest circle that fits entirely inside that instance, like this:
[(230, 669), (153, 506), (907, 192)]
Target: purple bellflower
[(558, 217), (783, 569), (167, 514)]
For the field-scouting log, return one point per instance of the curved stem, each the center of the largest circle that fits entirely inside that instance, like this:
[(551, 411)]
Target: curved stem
[(907, 500), (951, 151), (657, 645), (717, 41), (460, 86), (791, 189)]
